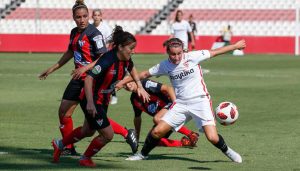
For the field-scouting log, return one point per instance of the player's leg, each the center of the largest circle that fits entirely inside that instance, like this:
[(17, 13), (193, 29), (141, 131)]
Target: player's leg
[(129, 135), (75, 136), (203, 116), (100, 123), (104, 137), (65, 112), (218, 141), (193, 136), (173, 119), (68, 104), (152, 140)]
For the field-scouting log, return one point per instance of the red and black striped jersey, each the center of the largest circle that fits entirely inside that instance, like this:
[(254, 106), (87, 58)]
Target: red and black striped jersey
[(158, 100), (86, 46), (107, 72)]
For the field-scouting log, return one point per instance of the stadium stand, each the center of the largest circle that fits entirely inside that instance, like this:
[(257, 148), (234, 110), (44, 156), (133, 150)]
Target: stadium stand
[(247, 17), (54, 16)]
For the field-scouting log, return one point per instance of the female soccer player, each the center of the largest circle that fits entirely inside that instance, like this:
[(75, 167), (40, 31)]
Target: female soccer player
[(192, 97), (86, 45), (161, 97), (181, 29), (99, 83)]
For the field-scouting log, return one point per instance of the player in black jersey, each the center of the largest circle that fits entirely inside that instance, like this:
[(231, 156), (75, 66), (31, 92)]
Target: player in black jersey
[(161, 98), (86, 45), (100, 82)]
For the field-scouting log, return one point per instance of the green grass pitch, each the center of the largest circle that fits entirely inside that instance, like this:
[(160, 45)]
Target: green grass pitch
[(266, 89)]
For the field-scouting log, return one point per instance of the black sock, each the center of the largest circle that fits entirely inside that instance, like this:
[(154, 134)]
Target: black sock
[(221, 144), (149, 145)]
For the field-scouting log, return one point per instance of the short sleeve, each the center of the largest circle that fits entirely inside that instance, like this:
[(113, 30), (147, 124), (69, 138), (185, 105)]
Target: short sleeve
[(198, 56), (98, 43), (71, 39), (102, 64), (151, 86), (157, 70)]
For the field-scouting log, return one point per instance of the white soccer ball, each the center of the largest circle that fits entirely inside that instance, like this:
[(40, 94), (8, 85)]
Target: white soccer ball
[(226, 113)]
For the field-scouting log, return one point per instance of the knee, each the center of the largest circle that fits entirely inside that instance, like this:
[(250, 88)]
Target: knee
[(107, 137), (156, 119), (87, 132), (156, 133)]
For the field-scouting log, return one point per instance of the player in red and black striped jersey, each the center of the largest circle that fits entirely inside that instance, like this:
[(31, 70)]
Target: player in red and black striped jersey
[(85, 47), (98, 85), (161, 97)]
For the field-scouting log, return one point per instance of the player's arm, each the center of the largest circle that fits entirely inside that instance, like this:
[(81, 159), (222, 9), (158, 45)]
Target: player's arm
[(192, 35), (88, 89), (62, 61), (169, 91), (142, 75), (76, 73), (140, 90), (238, 45)]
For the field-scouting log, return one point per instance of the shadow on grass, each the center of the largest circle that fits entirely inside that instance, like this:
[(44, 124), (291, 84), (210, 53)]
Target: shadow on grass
[(40, 159)]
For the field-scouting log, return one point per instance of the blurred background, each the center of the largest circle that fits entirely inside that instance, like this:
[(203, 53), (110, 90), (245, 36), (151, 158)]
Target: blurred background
[(269, 26)]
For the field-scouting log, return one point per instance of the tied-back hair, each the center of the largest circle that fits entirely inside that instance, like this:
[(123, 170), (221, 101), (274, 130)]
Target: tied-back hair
[(177, 12), (79, 4), (173, 42), (97, 10), (121, 37)]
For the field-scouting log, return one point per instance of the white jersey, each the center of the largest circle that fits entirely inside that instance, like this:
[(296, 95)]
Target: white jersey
[(180, 30), (186, 77), (105, 30)]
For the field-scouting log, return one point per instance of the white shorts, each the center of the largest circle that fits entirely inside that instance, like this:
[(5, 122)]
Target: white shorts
[(180, 113)]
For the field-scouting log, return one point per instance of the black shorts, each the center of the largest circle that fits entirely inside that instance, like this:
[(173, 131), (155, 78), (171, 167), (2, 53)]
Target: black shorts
[(73, 90), (100, 120)]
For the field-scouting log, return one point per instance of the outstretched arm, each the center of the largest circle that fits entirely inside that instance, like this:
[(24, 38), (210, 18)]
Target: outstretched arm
[(62, 61), (141, 76), (238, 45), (140, 90), (76, 73)]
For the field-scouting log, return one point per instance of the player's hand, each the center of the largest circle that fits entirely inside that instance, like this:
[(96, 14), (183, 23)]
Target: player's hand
[(91, 109), (119, 86), (143, 94), (193, 45), (44, 75), (240, 44), (76, 73)]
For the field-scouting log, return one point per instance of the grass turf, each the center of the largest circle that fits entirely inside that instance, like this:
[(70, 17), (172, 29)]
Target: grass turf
[(264, 87)]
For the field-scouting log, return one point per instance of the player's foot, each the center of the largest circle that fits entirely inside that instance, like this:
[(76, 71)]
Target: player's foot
[(69, 152), (186, 142), (132, 140), (57, 151), (234, 156), (87, 162), (137, 156), (193, 136), (114, 100)]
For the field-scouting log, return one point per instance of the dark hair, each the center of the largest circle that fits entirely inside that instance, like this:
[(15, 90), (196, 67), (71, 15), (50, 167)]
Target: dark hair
[(173, 42), (79, 4), (120, 37), (177, 12)]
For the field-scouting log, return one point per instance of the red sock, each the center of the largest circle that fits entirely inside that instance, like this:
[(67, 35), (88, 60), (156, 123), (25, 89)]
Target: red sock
[(185, 131), (94, 147), (118, 129), (169, 143), (66, 127), (75, 136)]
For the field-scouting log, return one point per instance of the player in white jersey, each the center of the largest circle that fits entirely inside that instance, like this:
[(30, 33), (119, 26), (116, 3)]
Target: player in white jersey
[(192, 98), (102, 26), (180, 29)]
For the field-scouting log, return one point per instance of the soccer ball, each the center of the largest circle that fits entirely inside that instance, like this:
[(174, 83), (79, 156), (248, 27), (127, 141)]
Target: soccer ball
[(226, 113)]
